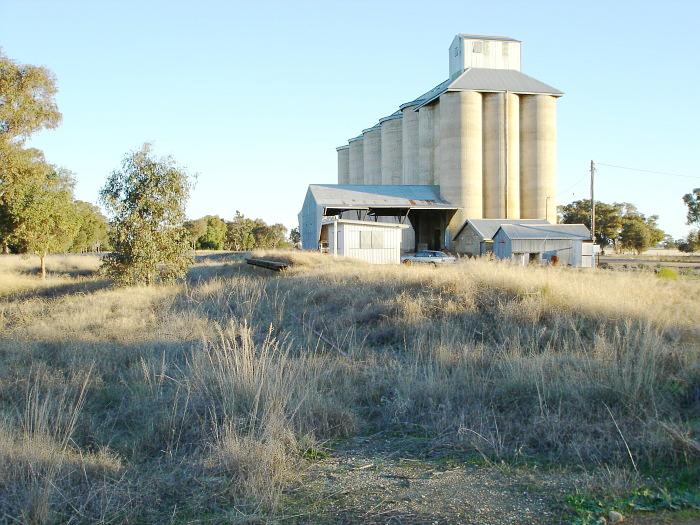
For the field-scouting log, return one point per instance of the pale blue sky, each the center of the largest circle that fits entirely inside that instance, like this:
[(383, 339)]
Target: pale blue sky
[(255, 96)]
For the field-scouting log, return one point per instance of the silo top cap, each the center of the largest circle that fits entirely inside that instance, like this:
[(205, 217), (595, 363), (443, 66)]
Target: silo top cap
[(373, 128), (354, 139), (339, 148), (393, 116)]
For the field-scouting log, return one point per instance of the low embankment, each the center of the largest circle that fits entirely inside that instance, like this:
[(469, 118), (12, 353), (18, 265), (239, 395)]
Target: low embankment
[(209, 398)]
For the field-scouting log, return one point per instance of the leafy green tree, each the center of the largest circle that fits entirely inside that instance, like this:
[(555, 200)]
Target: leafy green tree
[(692, 201), (196, 229), (691, 243), (92, 228), (214, 234), (26, 105), (44, 217), (294, 236), (26, 100), (608, 219), (272, 236), (639, 232), (146, 202), (239, 233)]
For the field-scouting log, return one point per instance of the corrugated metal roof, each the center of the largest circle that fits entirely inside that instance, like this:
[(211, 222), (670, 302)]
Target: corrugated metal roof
[(487, 228), (546, 231), (494, 80), (395, 115), (428, 95), (487, 37), (378, 196), (483, 79)]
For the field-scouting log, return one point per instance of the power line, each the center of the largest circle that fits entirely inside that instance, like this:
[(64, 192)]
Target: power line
[(648, 171), (562, 192)]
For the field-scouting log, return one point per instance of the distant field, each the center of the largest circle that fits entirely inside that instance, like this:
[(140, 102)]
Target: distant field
[(339, 392)]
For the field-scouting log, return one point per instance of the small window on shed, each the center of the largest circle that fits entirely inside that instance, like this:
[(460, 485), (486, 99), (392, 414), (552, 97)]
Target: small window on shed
[(377, 239), (365, 239), (478, 47)]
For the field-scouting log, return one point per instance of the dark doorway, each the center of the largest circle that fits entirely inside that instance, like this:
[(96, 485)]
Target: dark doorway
[(437, 237)]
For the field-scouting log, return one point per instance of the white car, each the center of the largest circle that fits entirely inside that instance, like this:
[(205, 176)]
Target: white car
[(428, 257)]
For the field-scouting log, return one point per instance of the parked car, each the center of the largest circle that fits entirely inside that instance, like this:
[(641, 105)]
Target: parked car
[(428, 257)]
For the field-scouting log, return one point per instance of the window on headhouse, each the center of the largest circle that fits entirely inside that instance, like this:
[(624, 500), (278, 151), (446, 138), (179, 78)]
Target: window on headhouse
[(477, 47), (504, 49)]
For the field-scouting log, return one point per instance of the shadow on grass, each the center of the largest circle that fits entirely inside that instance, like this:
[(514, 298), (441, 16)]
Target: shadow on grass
[(83, 287)]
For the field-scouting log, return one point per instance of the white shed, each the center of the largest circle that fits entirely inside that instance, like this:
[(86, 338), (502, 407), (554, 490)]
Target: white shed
[(373, 242), (567, 244)]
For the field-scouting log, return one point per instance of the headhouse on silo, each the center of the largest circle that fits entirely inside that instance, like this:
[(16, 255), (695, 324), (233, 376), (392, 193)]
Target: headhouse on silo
[(483, 141)]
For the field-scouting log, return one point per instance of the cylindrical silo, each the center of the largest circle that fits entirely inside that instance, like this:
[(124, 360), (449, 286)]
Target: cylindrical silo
[(371, 150), (512, 156), (494, 151), (343, 164), (426, 144), (538, 136), (436, 143), (409, 144), (391, 148), (356, 160), (461, 155)]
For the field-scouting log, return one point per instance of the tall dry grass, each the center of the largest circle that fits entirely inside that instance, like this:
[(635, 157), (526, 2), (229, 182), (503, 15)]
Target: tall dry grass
[(203, 399)]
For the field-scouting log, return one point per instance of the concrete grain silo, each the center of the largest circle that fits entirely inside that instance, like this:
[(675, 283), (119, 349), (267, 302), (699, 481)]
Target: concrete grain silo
[(356, 160), (538, 136), (426, 144), (409, 143), (461, 154), (372, 152), (392, 152), (501, 169), (343, 164)]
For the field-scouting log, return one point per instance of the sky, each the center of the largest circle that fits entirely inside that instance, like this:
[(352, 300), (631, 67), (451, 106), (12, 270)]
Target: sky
[(254, 97)]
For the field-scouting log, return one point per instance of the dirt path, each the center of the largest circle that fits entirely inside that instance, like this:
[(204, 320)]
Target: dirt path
[(368, 482)]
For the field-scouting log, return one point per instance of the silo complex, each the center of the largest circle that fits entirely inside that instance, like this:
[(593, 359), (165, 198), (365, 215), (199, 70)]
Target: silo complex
[(372, 152), (486, 136), (356, 160), (410, 144), (343, 164), (392, 152)]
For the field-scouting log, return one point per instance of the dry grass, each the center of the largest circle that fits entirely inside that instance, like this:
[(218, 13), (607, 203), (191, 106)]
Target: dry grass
[(201, 400)]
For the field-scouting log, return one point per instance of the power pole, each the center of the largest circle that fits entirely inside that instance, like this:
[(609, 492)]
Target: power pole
[(592, 203)]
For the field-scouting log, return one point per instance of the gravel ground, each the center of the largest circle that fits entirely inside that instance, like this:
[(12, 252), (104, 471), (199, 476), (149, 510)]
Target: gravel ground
[(374, 483)]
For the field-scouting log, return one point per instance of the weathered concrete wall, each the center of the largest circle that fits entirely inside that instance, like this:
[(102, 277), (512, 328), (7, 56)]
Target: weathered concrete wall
[(461, 155), (372, 155), (426, 144), (357, 162), (391, 132), (409, 145), (343, 164), (538, 138)]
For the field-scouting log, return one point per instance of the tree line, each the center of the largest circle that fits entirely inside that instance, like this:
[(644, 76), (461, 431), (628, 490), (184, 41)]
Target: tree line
[(147, 234), (211, 232), (621, 227)]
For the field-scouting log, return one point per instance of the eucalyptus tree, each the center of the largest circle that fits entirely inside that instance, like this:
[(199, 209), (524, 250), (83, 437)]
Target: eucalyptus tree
[(145, 201)]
